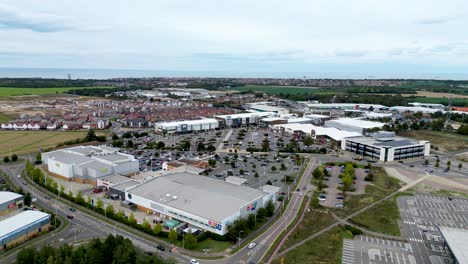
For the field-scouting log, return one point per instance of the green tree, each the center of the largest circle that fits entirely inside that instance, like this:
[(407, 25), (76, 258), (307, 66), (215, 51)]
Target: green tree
[(14, 157), (283, 167), (131, 218), (233, 164), (251, 221), (200, 146), (190, 241), (145, 224), (241, 172), (269, 182), (463, 129), (256, 175), (110, 210), (273, 168), (317, 173), (91, 135), (114, 136), (172, 236), (449, 163), (460, 166), (437, 164), (212, 162), (270, 208), (79, 198), (426, 162), (27, 199), (99, 204), (6, 159), (26, 256), (157, 229), (38, 158), (160, 145), (308, 141)]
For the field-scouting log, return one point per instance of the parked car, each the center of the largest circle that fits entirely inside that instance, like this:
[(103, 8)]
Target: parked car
[(339, 205), (97, 190), (339, 197), (160, 247)]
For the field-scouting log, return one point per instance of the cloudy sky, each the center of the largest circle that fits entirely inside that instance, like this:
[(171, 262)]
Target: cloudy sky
[(427, 36)]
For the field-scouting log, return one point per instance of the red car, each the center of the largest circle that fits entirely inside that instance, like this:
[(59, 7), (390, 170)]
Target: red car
[(70, 216), (97, 190)]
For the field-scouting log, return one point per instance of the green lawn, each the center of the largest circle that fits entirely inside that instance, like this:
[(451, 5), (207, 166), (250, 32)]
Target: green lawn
[(279, 89), (312, 222), (443, 140), (212, 245), (13, 91), (324, 249), (431, 100), (4, 118), (382, 218)]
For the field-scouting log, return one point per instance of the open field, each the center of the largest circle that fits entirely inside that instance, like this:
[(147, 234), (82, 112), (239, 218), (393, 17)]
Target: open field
[(429, 100), (4, 118), (382, 218), (280, 89), (325, 248), (13, 91), (436, 95), (445, 141), (312, 222), (25, 142)]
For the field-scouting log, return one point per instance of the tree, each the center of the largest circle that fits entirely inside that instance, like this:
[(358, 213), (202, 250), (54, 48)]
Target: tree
[(449, 163), (273, 168), (27, 199), (185, 145), (437, 124), (117, 143), (437, 164), (160, 145), (25, 256), (426, 162), (256, 175), (14, 157), (91, 135), (212, 162), (114, 136), (317, 173), (283, 167), (38, 158), (131, 218), (241, 172), (233, 164), (251, 221), (99, 204), (145, 224), (157, 229), (200, 146), (269, 182), (172, 236), (463, 129), (79, 198), (6, 159), (110, 209), (460, 166), (308, 141), (270, 207), (130, 144), (190, 241)]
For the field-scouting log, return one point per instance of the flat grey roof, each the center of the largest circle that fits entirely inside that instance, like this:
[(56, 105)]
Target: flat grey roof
[(69, 158), (96, 165), (113, 157), (115, 179), (199, 195), (19, 221), (122, 186), (389, 142), (6, 197), (457, 240)]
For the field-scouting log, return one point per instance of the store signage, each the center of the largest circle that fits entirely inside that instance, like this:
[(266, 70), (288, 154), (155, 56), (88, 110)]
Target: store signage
[(215, 225), (252, 207)]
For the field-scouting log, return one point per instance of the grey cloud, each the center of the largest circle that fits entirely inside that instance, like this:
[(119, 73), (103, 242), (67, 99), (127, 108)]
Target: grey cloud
[(12, 18), (435, 20)]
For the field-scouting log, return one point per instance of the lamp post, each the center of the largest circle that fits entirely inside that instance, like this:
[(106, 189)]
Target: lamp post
[(240, 231)]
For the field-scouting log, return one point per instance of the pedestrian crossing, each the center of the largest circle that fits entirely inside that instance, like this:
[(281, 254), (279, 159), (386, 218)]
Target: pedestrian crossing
[(416, 240), (348, 252)]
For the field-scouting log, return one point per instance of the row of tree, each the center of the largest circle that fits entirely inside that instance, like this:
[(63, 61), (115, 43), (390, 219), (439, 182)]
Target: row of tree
[(115, 250), (13, 158)]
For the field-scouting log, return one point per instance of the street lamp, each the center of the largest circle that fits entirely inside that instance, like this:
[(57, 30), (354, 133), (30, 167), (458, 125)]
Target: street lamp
[(240, 231)]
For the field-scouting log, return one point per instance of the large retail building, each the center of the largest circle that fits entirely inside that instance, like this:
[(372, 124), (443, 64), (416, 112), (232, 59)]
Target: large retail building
[(187, 126), (9, 200), (22, 226), (86, 164), (200, 201)]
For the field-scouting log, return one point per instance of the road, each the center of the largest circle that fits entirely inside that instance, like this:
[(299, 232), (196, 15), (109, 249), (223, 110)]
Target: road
[(266, 239)]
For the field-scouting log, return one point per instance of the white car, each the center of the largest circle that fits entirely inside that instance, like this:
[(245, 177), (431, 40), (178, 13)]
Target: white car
[(251, 245), (194, 261), (301, 193)]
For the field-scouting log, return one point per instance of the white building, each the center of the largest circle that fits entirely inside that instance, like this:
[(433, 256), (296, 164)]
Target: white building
[(384, 146), (187, 126), (415, 109), (88, 163), (243, 119), (346, 106), (428, 105), (200, 201), (316, 132), (456, 240), (352, 124)]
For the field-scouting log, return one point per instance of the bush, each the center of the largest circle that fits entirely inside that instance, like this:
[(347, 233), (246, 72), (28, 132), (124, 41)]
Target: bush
[(14, 157), (354, 230)]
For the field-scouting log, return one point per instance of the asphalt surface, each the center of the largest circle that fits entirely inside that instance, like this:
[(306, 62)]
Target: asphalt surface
[(370, 250)]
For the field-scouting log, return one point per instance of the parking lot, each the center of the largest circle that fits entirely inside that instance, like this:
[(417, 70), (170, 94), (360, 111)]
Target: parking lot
[(257, 170), (422, 214), (369, 250), (331, 197)]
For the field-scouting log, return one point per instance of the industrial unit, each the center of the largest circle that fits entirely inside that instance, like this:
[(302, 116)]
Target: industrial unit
[(187, 126), (200, 201), (385, 146), (244, 119), (352, 124), (9, 200), (86, 164), (21, 227), (456, 240)]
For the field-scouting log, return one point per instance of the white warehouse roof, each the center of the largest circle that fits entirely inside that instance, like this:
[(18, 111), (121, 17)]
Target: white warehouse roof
[(8, 196), (457, 240), (331, 132), (245, 115), (415, 109), (356, 122), (189, 122), (20, 220)]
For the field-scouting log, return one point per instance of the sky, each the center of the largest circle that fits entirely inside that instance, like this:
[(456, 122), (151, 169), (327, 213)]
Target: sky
[(390, 36)]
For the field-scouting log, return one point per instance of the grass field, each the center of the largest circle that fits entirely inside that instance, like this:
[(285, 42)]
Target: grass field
[(279, 89), (312, 222), (25, 142), (4, 118), (443, 140), (436, 95), (441, 100), (324, 249), (13, 91), (382, 218)]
